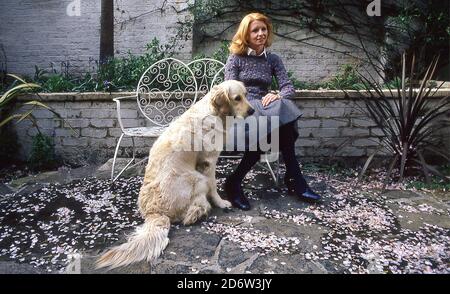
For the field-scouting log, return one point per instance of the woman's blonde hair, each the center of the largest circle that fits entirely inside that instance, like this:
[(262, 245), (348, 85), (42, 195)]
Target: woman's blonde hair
[(239, 43)]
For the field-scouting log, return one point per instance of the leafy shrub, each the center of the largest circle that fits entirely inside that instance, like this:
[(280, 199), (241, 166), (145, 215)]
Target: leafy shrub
[(222, 52), (43, 154), (394, 83), (117, 74), (57, 83), (346, 78), (303, 85)]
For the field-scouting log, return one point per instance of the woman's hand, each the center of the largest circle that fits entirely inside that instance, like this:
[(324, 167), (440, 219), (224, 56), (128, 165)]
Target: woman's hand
[(266, 100)]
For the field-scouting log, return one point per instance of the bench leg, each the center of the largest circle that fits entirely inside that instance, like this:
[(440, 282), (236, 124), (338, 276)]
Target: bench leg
[(277, 181), (115, 156), (274, 177)]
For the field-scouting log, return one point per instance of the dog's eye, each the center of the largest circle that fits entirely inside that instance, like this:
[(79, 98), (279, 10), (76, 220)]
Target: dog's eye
[(238, 98)]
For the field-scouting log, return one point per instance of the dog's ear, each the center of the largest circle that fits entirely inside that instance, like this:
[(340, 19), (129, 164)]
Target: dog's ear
[(221, 101)]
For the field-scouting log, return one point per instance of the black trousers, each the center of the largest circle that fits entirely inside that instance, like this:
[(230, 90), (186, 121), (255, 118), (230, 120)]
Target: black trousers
[(288, 135)]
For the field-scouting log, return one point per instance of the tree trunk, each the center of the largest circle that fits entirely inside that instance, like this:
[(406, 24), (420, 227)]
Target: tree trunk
[(106, 31)]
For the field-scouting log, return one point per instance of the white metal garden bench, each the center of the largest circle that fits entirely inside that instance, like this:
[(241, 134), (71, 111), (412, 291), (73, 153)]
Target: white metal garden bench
[(165, 91)]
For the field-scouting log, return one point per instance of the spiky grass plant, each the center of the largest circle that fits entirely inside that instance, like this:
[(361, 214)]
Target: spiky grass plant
[(41, 156), (408, 120), (20, 86)]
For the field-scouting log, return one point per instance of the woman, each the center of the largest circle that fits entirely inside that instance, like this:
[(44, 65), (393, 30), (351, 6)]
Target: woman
[(250, 63)]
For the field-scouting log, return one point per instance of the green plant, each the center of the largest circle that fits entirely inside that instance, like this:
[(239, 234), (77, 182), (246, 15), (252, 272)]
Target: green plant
[(303, 85), (8, 142), (7, 100), (42, 153), (435, 183), (407, 120), (54, 81), (346, 78), (58, 83), (18, 86), (116, 74), (393, 84), (222, 52), (124, 73)]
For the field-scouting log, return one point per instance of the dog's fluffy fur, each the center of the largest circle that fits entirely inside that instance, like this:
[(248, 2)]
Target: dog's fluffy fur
[(179, 185)]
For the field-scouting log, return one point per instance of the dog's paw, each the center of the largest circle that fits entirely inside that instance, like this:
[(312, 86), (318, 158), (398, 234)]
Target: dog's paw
[(224, 204)]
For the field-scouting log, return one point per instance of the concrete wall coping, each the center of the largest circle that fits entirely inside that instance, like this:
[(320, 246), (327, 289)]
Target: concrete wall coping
[(299, 94)]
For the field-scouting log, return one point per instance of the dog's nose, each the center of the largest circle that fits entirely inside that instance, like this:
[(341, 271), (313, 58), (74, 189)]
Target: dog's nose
[(250, 111)]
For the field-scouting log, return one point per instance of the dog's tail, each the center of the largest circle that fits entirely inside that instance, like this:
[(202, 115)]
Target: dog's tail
[(147, 242)]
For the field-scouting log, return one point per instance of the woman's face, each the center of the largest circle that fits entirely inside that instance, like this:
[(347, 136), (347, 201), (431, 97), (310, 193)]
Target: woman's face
[(257, 35)]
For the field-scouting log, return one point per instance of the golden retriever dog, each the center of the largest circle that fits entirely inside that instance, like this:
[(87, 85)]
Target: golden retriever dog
[(180, 184)]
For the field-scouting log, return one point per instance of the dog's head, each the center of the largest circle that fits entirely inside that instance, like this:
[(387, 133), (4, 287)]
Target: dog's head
[(229, 99)]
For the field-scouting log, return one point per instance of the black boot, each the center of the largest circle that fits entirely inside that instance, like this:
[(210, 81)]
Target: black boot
[(233, 190), (307, 195), (310, 196), (235, 195), (289, 183), (294, 180)]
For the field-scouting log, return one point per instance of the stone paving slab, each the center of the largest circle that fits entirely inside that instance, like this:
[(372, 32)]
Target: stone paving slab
[(354, 229)]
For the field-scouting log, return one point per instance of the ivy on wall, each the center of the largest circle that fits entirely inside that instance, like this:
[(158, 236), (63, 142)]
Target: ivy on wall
[(417, 26)]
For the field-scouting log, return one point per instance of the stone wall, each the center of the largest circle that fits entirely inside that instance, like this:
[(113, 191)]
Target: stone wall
[(332, 126)]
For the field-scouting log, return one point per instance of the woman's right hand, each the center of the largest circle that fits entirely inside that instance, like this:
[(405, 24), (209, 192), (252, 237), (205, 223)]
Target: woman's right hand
[(266, 100)]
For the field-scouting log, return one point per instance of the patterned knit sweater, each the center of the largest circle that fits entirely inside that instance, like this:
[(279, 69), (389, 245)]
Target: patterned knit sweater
[(256, 72)]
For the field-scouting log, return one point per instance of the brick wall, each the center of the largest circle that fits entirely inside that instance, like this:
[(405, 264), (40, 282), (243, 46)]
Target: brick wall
[(332, 126), (40, 33)]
